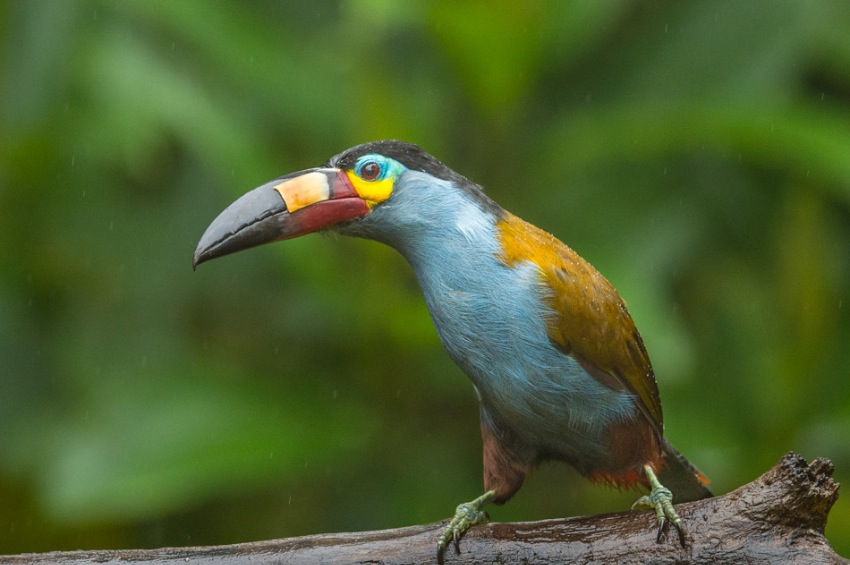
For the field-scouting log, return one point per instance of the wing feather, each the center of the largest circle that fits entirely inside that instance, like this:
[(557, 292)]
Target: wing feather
[(589, 320)]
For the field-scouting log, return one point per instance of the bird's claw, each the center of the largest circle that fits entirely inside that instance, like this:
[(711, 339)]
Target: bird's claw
[(466, 515), (660, 499)]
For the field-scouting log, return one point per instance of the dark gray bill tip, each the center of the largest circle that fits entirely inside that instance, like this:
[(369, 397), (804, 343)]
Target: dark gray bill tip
[(247, 222)]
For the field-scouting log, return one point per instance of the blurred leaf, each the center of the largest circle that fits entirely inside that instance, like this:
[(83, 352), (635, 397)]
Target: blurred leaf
[(147, 447)]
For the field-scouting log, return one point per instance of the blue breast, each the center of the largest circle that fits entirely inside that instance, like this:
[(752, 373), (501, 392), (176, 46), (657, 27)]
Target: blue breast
[(491, 320)]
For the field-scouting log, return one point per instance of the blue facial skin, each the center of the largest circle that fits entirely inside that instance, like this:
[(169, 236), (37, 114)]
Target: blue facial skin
[(388, 168)]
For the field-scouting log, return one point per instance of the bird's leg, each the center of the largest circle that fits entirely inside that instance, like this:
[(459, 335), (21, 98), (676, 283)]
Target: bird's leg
[(466, 515), (661, 500)]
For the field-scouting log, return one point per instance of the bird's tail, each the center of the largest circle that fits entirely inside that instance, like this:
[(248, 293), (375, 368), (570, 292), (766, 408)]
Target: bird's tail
[(684, 480)]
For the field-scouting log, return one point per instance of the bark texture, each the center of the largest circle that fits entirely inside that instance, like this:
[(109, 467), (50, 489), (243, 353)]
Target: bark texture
[(778, 518)]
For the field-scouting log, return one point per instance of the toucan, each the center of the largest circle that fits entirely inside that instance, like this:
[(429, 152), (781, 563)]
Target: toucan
[(556, 362)]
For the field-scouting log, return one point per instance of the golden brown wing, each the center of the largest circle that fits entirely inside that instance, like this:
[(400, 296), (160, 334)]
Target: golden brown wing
[(590, 320)]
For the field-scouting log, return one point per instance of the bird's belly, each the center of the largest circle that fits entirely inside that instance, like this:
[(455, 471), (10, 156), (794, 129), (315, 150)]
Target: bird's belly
[(558, 411), (544, 396)]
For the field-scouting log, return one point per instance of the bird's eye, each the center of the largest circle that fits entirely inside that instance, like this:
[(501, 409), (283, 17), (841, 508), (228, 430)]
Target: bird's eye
[(370, 170)]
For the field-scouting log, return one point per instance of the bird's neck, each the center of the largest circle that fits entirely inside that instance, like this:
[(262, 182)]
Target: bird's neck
[(437, 226), (451, 245)]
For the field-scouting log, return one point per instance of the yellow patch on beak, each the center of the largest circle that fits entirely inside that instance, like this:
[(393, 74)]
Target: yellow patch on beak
[(373, 192), (302, 191)]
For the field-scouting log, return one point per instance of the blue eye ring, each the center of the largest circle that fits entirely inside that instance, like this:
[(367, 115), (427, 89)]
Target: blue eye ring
[(370, 170), (373, 168), (376, 168)]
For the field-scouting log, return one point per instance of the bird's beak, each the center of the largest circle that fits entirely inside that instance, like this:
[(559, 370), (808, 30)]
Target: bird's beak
[(292, 205)]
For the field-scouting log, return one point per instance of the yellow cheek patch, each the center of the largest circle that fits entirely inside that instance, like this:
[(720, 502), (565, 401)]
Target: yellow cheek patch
[(373, 192), (302, 191)]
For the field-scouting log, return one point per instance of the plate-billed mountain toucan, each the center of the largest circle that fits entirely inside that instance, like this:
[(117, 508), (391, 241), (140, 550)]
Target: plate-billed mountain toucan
[(557, 364)]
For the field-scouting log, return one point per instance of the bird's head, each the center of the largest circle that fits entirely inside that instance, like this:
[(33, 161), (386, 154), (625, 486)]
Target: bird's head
[(364, 191)]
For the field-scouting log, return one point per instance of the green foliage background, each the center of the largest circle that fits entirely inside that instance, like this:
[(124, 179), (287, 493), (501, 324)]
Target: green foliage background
[(698, 153)]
